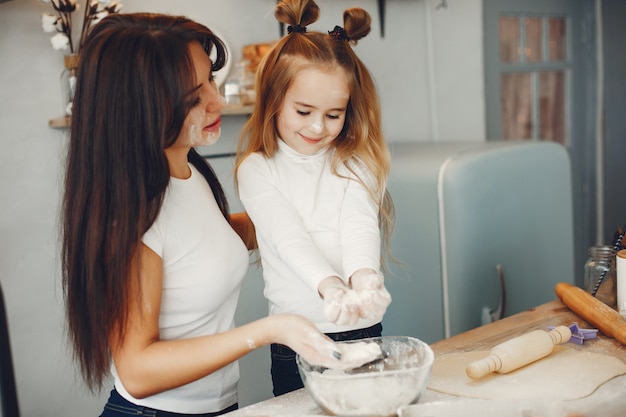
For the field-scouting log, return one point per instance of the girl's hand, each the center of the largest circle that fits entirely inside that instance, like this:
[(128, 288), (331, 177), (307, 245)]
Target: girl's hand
[(341, 304), (372, 294)]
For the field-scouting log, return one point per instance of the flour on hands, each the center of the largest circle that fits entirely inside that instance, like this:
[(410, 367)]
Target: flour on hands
[(342, 306), (371, 292), (366, 298)]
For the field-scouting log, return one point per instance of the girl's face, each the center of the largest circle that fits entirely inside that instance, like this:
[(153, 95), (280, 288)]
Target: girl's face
[(203, 123), (314, 109)]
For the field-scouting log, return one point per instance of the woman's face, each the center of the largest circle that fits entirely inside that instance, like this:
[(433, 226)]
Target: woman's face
[(314, 109), (202, 126)]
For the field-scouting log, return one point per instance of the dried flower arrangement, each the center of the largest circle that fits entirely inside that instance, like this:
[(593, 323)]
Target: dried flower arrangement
[(61, 21)]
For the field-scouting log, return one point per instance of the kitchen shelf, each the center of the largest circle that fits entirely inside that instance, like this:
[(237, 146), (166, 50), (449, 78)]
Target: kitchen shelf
[(64, 122), (60, 122), (237, 110)]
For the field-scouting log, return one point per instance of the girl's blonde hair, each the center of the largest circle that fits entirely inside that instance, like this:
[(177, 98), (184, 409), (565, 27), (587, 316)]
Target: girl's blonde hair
[(361, 141)]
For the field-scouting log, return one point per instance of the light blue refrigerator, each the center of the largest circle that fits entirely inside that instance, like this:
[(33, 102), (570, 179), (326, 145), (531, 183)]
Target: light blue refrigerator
[(482, 230)]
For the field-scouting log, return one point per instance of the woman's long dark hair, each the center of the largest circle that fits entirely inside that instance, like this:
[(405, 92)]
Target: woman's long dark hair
[(133, 94)]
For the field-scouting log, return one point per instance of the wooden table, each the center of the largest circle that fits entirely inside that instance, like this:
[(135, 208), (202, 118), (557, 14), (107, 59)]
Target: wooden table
[(553, 313), (607, 401)]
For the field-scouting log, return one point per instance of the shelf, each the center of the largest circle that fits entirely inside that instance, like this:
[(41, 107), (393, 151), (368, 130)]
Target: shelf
[(237, 110), (64, 122), (60, 122)]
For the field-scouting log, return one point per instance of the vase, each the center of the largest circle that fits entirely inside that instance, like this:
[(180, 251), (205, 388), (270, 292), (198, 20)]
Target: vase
[(68, 83)]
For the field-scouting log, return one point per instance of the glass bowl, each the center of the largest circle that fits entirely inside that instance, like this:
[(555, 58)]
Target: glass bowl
[(376, 389)]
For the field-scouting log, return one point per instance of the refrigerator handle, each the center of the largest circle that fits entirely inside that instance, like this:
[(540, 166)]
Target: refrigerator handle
[(489, 315)]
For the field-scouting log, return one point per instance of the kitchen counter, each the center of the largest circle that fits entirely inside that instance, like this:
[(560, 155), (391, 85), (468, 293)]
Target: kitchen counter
[(606, 401)]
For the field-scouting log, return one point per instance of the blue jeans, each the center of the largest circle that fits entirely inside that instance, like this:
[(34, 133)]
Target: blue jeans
[(285, 375), (118, 406)]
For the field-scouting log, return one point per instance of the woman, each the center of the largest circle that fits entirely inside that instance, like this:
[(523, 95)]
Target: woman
[(152, 268)]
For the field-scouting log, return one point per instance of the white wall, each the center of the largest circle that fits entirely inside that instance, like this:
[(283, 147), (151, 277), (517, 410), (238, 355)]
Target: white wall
[(429, 72)]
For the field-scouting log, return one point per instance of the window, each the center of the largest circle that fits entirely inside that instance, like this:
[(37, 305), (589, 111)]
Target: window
[(534, 77)]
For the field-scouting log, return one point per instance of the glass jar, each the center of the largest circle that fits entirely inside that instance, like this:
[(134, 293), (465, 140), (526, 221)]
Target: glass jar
[(232, 91), (239, 86), (601, 261), (68, 82)]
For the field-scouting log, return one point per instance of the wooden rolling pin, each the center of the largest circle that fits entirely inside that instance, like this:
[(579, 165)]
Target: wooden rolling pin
[(593, 311), (519, 351)]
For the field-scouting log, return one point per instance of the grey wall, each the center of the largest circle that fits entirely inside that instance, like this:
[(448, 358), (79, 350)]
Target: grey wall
[(614, 36), (424, 99)]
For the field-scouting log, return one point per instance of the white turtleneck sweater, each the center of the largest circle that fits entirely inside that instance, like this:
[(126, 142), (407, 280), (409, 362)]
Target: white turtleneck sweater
[(310, 224)]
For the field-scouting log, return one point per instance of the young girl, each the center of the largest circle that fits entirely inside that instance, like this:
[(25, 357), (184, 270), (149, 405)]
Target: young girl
[(312, 168), (152, 267)]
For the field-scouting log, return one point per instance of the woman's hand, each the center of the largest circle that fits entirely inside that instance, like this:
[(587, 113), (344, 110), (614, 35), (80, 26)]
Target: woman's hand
[(305, 339)]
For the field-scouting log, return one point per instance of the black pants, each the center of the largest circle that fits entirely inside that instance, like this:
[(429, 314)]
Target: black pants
[(118, 406), (285, 375)]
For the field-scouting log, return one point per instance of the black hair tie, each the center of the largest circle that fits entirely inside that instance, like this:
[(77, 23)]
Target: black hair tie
[(296, 28), (339, 33)]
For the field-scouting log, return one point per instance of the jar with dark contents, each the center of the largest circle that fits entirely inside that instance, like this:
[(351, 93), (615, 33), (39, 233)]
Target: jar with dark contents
[(601, 260)]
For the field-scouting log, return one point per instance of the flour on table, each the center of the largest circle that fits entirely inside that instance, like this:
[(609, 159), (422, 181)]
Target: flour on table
[(565, 374)]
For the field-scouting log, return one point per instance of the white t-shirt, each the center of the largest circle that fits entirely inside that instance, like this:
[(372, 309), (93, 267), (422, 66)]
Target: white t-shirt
[(204, 264), (310, 224)]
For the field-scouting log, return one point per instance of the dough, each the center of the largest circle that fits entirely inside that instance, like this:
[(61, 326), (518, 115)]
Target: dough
[(565, 374), (355, 354)]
